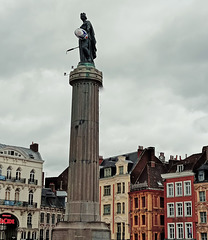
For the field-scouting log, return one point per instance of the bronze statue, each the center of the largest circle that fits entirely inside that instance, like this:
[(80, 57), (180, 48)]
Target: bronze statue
[(87, 48)]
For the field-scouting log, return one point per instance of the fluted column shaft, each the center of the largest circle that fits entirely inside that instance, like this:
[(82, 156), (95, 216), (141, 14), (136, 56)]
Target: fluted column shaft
[(83, 183)]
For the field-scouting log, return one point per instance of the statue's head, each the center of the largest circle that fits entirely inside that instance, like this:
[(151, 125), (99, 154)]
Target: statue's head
[(83, 16)]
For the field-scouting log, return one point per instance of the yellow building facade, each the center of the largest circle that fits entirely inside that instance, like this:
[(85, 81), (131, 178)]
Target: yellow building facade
[(114, 200)]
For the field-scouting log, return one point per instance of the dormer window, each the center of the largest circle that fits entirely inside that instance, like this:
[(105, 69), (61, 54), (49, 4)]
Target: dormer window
[(180, 168), (120, 169), (107, 172), (201, 176)]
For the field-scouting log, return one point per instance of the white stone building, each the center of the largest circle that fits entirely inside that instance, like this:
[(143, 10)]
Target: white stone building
[(20, 192)]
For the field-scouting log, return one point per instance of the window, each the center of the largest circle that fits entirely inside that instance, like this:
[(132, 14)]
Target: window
[(32, 176), (143, 236), (188, 230), (156, 220), (29, 219), (118, 230), (106, 209), (121, 170), (180, 168), (188, 209), (123, 187), (155, 236), (202, 197), (118, 208), (203, 217), (0, 170), (42, 217), (179, 230), (135, 220), (203, 236), (16, 196), (178, 186), (170, 209), (53, 219), (18, 174), (143, 219), (9, 172), (118, 187), (170, 190), (162, 221), (30, 198), (155, 201), (41, 234), (187, 188), (107, 172), (107, 190), (143, 202), (136, 236), (58, 218), (171, 230), (47, 234), (201, 176), (162, 202), (33, 235), (123, 233), (136, 202), (7, 193), (179, 209), (48, 218), (123, 207)]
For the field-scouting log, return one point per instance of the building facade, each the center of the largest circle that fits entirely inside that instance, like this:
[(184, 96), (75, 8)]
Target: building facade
[(201, 202), (114, 202), (183, 209), (147, 197), (51, 212), (20, 191)]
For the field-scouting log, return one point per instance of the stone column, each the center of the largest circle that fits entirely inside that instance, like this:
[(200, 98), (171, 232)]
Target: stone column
[(83, 183), (82, 220)]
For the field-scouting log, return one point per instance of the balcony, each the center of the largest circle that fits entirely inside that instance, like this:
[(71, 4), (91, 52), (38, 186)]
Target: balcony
[(17, 203), (4, 178), (33, 181)]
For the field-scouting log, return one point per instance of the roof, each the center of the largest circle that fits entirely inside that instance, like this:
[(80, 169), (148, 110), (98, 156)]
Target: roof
[(111, 161), (23, 152), (187, 163), (49, 199)]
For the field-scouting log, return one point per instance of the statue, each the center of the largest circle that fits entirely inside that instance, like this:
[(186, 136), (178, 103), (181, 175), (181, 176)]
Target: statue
[(87, 48)]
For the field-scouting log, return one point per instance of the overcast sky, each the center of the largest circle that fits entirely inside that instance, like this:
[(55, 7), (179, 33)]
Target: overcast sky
[(154, 59)]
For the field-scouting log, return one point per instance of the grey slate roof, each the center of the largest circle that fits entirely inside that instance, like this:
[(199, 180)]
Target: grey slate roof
[(27, 152)]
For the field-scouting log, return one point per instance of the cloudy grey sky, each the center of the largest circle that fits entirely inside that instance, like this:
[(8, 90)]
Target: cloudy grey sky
[(153, 55)]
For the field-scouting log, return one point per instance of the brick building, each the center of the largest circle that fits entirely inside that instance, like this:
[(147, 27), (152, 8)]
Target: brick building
[(147, 197)]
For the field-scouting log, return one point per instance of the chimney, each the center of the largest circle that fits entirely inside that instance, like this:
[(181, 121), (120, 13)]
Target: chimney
[(100, 159), (140, 149), (171, 157), (52, 187), (152, 164), (162, 157), (34, 147)]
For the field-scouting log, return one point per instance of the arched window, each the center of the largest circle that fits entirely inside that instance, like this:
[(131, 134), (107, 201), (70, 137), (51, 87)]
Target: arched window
[(16, 196), (32, 175), (7, 194), (9, 172), (29, 220), (18, 174), (34, 235), (30, 198)]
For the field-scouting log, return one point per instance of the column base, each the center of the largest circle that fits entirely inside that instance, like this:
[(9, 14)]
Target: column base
[(81, 231)]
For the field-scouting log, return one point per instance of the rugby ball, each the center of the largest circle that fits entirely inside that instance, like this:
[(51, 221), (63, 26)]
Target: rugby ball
[(81, 33)]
